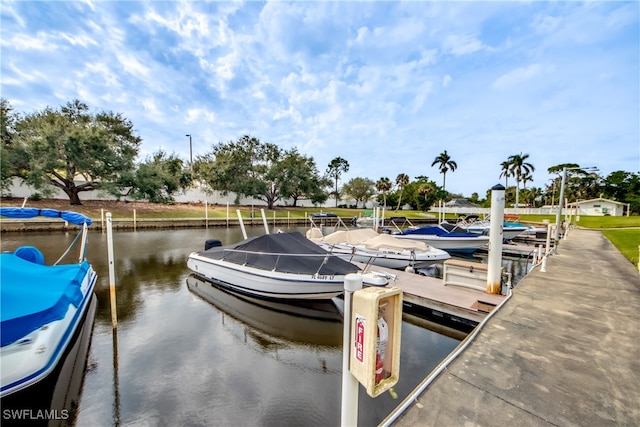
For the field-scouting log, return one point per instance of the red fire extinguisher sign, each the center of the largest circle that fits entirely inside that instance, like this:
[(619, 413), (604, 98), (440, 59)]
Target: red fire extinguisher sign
[(359, 335)]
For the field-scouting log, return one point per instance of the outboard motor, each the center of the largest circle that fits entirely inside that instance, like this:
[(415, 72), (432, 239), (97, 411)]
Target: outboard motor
[(212, 243)]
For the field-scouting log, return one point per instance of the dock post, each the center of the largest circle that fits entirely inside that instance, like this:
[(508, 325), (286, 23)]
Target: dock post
[(539, 254), (349, 408), (112, 274), (244, 232), (556, 238), (496, 232), (264, 221)]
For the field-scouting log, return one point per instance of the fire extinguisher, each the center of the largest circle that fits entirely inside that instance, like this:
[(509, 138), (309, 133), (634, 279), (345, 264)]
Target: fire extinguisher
[(381, 347)]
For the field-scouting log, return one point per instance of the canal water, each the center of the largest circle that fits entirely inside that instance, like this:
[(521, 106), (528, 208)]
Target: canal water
[(177, 358)]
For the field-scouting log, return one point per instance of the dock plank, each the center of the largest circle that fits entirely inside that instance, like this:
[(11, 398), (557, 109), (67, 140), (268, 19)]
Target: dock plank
[(431, 293)]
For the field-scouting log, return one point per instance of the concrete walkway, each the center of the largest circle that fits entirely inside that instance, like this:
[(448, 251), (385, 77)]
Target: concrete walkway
[(563, 351)]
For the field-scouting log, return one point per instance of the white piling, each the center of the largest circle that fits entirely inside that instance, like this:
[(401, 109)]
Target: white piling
[(244, 232), (264, 221), (539, 254), (206, 214), (134, 220), (227, 214), (543, 268), (102, 220), (83, 244), (496, 232), (24, 202), (559, 213), (349, 409), (548, 243), (376, 214), (112, 274)]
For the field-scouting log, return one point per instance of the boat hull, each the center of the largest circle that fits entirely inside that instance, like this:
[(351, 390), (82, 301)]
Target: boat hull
[(23, 365), (449, 244), (386, 258), (54, 398), (266, 283), (508, 233)]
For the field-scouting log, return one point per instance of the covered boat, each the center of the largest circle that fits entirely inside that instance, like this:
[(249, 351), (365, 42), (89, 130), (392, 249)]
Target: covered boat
[(281, 266), (438, 237), (385, 250), (47, 314), (472, 224)]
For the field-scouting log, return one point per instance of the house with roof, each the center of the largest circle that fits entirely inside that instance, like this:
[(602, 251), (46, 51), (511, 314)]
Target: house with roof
[(599, 207), (460, 203)]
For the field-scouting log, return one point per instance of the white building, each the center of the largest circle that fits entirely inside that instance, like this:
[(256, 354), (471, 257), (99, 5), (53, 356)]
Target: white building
[(599, 207)]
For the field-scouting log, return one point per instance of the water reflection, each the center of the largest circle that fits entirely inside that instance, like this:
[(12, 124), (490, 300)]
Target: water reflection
[(308, 322), (184, 360)]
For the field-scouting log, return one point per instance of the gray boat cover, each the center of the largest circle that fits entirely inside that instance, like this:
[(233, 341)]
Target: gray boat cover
[(284, 252)]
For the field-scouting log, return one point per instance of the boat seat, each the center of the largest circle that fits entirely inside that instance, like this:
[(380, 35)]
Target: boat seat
[(30, 253)]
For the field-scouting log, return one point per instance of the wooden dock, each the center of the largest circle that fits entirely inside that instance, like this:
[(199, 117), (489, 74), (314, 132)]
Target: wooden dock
[(462, 304)]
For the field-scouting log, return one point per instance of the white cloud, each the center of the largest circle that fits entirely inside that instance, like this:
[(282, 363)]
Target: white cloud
[(546, 24), (132, 65), (462, 44), (38, 41), (195, 115), (343, 78), (517, 76)]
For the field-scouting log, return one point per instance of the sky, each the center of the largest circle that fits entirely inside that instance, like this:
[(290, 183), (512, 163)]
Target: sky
[(388, 86)]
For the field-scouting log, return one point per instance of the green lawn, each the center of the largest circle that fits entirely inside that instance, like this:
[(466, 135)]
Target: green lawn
[(627, 241)]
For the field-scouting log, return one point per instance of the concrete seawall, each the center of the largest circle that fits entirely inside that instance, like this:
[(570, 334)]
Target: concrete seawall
[(25, 225)]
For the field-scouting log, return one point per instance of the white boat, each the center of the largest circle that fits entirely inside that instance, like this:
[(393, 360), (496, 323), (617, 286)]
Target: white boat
[(471, 224), (47, 316), (280, 266), (438, 237), (365, 221), (385, 250)]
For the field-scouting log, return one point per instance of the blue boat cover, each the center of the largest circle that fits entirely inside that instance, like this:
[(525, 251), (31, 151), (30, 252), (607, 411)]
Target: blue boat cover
[(72, 217), (437, 231), (33, 295)]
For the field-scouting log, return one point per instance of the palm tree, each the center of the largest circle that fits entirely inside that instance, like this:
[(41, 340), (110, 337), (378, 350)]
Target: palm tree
[(527, 177), (426, 190), (383, 185), (506, 172), (446, 165), (519, 167), (337, 167), (401, 180)]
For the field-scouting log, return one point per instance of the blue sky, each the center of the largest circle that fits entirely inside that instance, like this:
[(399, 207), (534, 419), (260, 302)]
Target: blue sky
[(385, 85)]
